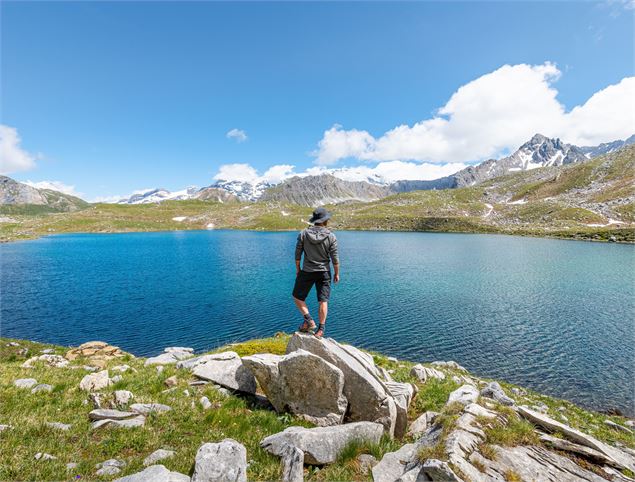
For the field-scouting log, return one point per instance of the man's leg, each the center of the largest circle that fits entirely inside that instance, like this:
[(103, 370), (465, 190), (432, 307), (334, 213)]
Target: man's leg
[(324, 310), (301, 305)]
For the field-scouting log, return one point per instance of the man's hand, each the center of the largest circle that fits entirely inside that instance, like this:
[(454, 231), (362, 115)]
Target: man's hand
[(297, 267), (336, 278)]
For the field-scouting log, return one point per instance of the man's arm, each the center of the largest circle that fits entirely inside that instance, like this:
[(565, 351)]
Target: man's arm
[(299, 247), (335, 259)]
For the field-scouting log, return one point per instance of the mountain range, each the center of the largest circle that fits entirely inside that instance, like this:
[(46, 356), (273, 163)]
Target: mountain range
[(334, 187)]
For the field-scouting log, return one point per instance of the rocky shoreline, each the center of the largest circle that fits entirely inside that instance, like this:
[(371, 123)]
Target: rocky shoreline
[(346, 414)]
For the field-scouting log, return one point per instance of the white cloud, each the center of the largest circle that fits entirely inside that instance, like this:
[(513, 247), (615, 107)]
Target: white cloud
[(238, 135), (12, 157), (237, 172), (55, 186), (487, 116)]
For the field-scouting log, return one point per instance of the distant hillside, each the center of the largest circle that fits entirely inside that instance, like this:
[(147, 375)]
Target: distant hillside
[(323, 189), (17, 197)]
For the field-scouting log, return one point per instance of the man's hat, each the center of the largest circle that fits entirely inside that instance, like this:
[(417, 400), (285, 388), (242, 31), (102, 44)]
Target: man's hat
[(319, 216)]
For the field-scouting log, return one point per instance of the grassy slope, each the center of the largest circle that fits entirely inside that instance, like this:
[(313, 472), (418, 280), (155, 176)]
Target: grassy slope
[(559, 202), (185, 428)]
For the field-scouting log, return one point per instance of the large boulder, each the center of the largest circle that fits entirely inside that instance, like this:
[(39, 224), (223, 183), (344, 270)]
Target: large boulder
[(226, 369), (322, 445), (155, 473), (284, 381), (225, 461), (464, 395), (364, 384), (423, 374), (170, 356), (494, 391), (402, 394), (393, 464)]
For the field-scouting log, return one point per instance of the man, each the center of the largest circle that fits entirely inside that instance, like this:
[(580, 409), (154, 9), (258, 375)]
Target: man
[(319, 246)]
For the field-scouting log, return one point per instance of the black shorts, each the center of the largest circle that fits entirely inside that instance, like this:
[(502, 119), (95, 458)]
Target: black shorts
[(305, 280)]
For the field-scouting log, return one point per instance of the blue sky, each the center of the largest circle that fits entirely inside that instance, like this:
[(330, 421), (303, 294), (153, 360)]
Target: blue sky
[(114, 97)]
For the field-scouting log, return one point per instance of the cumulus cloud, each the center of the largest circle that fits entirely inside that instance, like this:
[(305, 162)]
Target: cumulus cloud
[(492, 114), (55, 186), (238, 135), (12, 157)]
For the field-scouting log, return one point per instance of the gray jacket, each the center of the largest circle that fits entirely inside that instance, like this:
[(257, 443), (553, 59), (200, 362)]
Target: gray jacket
[(318, 245)]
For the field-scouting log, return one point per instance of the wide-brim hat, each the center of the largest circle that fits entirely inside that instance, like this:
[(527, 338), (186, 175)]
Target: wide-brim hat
[(320, 215)]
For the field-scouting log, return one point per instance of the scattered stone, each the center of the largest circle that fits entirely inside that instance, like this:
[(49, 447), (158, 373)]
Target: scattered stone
[(313, 441), (366, 462), (123, 397), (157, 455), (47, 351), (197, 383), (42, 387), (104, 413), (155, 473), (542, 408), (55, 361), (392, 359), (619, 457), (518, 391), (71, 465), (95, 381), (98, 353), (449, 364), (116, 379), (110, 467), (133, 422), (292, 464), (617, 426), (226, 369), (494, 390), (171, 382), (221, 462), (438, 470), (186, 393), (402, 394), (205, 403), (4, 427), (95, 398), (422, 373), (170, 356), (421, 424), (146, 408), (393, 464), (160, 369), (630, 423), (121, 368), (13, 343), (284, 381), (44, 456), (364, 385), (89, 368), (464, 395), (25, 382), (59, 426)]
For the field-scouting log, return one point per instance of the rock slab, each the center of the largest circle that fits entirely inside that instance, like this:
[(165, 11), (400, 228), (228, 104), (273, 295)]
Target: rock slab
[(225, 461), (227, 370)]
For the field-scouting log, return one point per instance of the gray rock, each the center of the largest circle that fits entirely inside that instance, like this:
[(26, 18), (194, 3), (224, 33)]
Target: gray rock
[(494, 390), (104, 413), (95, 398), (47, 351), (123, 397), (566, 446), (178, 349), (146, 408), (284, 381), (423, 374), (4, 427), (44, 456), (160, 369), (620, 458), (71, 465), (421, 424), (449, 364), (392, 359), (630, 423), (205, 403), (322, 445), (191, 363), (221, 462), (95, 381), (464, 395), (169, 357), (366, 462), (402, 393), (364, 385), (157, 455), (155, 473), (59, 426), (133, 422), (116, 379), (121, 368), (393, 464), (13, 343), (438, 470), (171, 381), (110, 467), (56, 361), (25, 382), (292, 464), (617, 426), (42, 387), (228, 372)]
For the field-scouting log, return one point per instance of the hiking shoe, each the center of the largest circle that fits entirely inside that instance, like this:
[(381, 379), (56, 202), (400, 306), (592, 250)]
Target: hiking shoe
[(307, 326), (320, 333)]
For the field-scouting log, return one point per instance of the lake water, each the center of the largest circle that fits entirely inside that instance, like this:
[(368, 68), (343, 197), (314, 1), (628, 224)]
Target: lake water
[(556, 316)]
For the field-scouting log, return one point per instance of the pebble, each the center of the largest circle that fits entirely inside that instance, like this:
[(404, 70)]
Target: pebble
[(42, 387), (47, 350), (205, 403), (110, 467), (25, 382), (71, 465), (59, 426), (157, 455), (4, 427), (121, 368), (123, 397), (160, 369), (171, 382), (44, 456), (116, 379)]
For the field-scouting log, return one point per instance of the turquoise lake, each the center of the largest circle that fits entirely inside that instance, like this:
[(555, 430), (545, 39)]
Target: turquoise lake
[(556, 316)]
